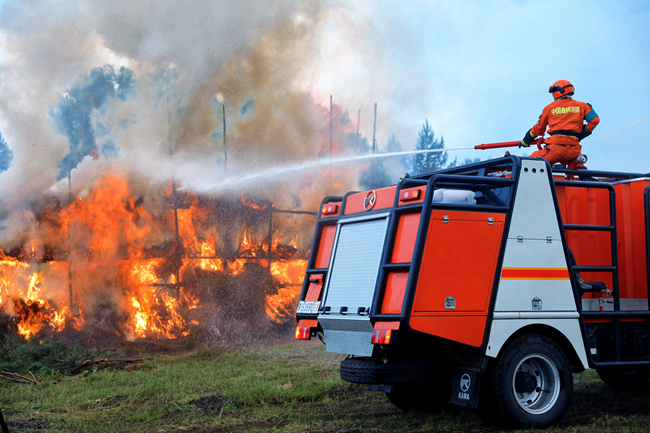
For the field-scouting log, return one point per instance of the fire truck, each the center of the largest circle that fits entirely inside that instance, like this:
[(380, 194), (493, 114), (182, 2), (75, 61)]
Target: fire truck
[(485, 286)]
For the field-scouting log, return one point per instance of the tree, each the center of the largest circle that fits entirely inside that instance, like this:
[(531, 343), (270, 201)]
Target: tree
[(467, 160), (6, 155), (431, 161), (395, 166), (374, 176), (394, 146), (73, 114), (358, 143)]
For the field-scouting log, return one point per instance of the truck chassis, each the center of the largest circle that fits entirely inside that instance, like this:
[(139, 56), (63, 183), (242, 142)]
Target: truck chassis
[(485, 286)]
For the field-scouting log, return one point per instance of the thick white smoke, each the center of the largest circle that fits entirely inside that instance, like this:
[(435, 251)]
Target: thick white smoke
[(271, 63)]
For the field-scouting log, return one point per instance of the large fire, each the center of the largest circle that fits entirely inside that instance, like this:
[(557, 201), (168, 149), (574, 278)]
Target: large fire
[(106, 261)]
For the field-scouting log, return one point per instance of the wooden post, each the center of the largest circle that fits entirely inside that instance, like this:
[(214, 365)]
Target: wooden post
[(70, 199), (225, 149), (358, 123), (374, 130), (175, 204), (374, 145), (331, 145), (270, 235)]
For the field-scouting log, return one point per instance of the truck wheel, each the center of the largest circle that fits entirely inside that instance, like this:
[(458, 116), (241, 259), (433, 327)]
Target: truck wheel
[(624, 377), (532, 382)]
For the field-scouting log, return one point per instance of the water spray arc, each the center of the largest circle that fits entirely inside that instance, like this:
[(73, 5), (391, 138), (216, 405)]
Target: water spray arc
[(235, 182)]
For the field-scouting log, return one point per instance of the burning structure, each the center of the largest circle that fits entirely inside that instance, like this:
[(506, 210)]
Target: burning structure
[(107, 262), (122, 208)]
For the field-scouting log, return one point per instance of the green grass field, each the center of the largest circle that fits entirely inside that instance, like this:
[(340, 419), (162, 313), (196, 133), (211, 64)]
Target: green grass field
[(283, 386)]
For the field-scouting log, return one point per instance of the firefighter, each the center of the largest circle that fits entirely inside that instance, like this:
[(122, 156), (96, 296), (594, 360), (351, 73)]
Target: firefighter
[(568, 121)]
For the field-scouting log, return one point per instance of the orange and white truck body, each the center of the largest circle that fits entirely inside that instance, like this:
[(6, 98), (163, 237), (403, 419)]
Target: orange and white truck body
[(490, 282)]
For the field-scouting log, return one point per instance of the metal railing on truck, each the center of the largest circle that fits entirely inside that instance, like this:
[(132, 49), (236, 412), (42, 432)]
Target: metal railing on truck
[(616, 315), (478, 177), (482, 176)]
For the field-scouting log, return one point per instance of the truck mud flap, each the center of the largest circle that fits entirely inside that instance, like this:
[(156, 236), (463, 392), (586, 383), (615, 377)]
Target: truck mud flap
[(465, 387)]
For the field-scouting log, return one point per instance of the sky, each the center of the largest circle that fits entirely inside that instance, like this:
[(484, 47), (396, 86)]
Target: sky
[(480, 71), (477, 71)]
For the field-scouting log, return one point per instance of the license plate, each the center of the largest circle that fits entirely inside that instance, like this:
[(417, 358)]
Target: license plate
[(308, 307)]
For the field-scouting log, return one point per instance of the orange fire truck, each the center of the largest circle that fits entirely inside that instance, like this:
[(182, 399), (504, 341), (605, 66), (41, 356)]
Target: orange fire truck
[(485, 285)]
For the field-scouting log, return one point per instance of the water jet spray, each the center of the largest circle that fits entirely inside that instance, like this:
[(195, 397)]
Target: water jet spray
[(233, 182)]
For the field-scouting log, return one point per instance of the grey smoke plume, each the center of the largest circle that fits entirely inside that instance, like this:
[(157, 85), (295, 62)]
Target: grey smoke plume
[(263, 60), (47, 46)]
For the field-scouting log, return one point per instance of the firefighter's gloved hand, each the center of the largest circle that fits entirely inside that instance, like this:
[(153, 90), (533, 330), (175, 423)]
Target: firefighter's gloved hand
[(525, 142)]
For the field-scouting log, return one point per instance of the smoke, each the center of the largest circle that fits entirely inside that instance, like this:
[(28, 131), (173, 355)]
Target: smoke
[(89, 87), (95, 93)]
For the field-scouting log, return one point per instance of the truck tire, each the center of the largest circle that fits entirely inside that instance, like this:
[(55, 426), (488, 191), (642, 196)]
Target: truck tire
[(374, 371), (624, 377), (532, 383)]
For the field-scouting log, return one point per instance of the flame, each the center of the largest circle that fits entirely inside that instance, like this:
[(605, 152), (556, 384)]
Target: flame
[(237, 267), (208, 264), (254, 205), (156, 305), (252, 246), (290, 274), (101, 245)]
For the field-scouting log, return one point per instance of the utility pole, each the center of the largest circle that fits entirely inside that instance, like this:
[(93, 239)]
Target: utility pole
[(358, 123), (331, 146), (374, 145), (269, 255), (173, 198), (225, 149), (374, 130), (171, 159), (67, 121)]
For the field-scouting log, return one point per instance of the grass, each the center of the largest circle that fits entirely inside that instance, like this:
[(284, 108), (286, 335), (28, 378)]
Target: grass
[(287, 386)]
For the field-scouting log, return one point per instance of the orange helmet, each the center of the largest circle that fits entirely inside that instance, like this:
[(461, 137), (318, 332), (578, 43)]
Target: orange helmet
[(561, 88)]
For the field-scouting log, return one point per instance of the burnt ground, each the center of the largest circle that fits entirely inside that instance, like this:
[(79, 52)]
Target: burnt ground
[(99, 340)]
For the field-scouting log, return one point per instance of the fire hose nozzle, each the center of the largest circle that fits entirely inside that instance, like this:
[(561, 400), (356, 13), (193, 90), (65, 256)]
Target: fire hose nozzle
[(484, 146), (581, 158)]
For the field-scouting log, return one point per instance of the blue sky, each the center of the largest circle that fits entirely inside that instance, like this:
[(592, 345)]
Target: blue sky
[(480, 71)]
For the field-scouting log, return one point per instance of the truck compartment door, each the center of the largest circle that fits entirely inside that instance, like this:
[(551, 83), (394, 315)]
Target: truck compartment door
[(457, 275), (351, 284)]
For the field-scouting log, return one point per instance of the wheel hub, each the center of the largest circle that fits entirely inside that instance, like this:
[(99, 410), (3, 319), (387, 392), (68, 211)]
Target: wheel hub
[(525, 382), (536, 384)]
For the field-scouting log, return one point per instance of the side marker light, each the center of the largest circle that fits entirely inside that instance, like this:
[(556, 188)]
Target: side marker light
[(409, 195), (381, 336), (303, 332), (330, 209)]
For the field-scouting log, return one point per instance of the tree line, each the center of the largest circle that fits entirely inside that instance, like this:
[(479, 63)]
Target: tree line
[(386, 171), (102, 86)]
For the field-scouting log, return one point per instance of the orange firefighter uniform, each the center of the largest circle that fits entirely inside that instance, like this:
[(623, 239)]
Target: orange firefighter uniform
[(568, 122)]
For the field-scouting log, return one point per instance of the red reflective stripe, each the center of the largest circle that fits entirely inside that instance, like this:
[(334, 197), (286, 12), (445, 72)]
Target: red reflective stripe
[(535, 274), (308, 323), (387, 325)]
